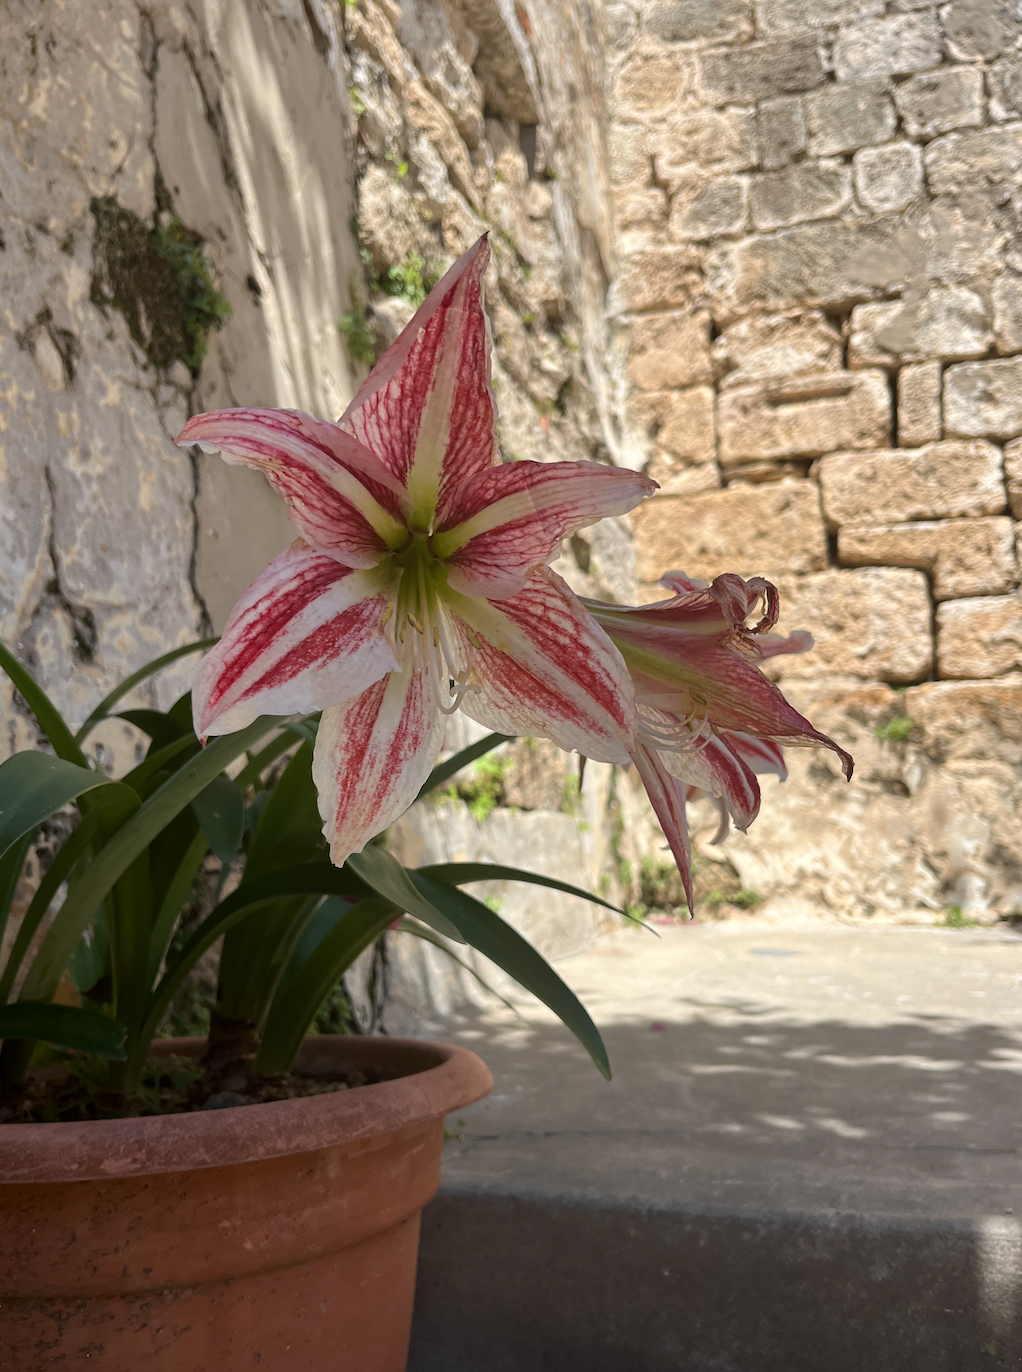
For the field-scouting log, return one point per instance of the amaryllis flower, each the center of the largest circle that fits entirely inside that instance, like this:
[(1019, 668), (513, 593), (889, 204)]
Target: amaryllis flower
[(419, 582), (709, 719)]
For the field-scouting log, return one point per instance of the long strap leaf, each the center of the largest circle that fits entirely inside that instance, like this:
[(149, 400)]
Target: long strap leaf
[(33, 786), (496, 940), (48, 717), (105, 706), (68, 1026), (177, 891), (386, 876), (304, 991), (10, 873), (459, 872), (116, 857), (76, 843), (445, 770)]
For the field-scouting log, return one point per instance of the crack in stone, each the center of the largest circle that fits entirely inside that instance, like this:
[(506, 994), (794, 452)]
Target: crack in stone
[(81, 617)]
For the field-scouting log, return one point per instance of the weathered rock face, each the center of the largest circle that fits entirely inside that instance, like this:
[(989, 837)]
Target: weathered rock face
[(827, 204), (132, 133)]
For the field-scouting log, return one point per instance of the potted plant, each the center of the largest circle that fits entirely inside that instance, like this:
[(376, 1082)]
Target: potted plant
[(141, 1230)]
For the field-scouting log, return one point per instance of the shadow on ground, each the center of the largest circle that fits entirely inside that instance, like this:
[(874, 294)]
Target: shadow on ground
[(749, 1194)]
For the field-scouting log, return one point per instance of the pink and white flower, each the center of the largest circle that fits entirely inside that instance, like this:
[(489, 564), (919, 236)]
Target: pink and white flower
[(709, 719), (420, 581)]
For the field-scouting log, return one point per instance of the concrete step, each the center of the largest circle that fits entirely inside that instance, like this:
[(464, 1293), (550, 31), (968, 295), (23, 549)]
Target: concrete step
[(808, 1161)]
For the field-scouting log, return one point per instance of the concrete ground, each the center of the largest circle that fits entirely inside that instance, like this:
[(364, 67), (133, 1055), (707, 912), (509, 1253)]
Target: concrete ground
[(801, 1120)]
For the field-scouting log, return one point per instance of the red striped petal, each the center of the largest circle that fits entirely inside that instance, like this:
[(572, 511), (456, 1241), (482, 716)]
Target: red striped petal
[(342, 499), (712, 766), (759, 753), (501, 523), (426, 410), (306, 634), (667, 797), (540, 665), (373, 755)]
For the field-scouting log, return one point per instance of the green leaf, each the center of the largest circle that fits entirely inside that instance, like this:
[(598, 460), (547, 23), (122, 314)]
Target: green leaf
[(303, 992), (176, 894), (48, 717), (496, 940), (68, 1026), (120, 852), (160, 727), (313, 878), (105, 706), (290, 829), (91, 959), (10, 873), (33, 786), (447, 769), (70, 851), (457, 873), (385, 875), (142, 777), (220, 810)]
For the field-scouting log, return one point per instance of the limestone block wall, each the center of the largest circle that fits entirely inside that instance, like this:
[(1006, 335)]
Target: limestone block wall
[(818, 304)]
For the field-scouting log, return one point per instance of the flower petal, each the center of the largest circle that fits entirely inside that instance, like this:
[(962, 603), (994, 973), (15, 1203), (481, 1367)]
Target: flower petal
[(667, 797), (500, 523), (342, 499), (427, 409), (719, 771), (760, 754), (540, 665), (306, 634), (373, 754)]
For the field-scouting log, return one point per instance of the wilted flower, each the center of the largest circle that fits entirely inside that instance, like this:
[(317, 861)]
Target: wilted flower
[(709, 719), (419, 582)]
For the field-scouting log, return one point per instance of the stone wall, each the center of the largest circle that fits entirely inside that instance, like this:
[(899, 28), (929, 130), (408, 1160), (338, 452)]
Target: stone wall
[(125, 126), (819, 326)]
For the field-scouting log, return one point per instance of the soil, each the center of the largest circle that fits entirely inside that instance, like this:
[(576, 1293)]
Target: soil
[(70, 1090)]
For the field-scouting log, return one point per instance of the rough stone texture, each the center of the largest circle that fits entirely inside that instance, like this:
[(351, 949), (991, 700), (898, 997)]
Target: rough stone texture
[(872, 623), (679, 424), (1013, 476), (804, 417), (919, 404), (888, 178), (913, 282), (980, 28), (759, 71), (948, 322), (808, 190), (657, 278), (984, 398), (671, 349), (841, 118), (702, 209), (944, 480), (766, 347), (781, 131), (979, 638), (1007, 304), (963, 160), (688, 21), (833, 265), (107, 551), (897, 45), (774, 527), (937, 102), (964, 557)]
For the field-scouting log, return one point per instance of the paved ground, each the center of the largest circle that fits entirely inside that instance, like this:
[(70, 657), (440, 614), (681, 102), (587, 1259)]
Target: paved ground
[(818, 1068), (808, 1161)]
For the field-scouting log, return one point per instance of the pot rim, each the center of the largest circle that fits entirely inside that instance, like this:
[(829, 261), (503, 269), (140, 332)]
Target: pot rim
[(439, 1077)]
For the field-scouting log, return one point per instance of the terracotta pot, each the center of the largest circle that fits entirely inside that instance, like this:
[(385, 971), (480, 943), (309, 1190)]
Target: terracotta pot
[(280, 1236)]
